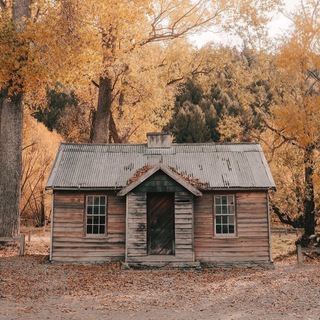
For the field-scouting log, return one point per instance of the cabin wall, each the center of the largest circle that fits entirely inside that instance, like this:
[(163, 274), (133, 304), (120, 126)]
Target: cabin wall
[(251, 242), (136, 245), (194, 228), (69, 240)]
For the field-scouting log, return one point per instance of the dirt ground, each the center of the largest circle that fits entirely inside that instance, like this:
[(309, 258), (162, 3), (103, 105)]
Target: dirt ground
[(32, 288)]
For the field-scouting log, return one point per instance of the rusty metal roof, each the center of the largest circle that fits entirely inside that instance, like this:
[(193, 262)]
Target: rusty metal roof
[(110, 166)]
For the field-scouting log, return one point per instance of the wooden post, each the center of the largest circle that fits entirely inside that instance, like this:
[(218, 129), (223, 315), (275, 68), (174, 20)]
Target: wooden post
[(22, 244), (29, 236), (299, 254)]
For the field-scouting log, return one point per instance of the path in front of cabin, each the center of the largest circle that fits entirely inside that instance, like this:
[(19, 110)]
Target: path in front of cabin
[(32, 288)]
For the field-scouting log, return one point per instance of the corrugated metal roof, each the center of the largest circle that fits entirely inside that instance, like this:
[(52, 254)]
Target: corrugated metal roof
[(240, 165)]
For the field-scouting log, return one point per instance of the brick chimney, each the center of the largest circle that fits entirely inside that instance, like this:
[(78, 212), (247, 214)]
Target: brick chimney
[(158, 140)]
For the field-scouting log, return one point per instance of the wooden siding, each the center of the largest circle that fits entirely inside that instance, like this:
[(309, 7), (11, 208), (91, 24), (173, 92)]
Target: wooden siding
[(136, 243), (69, 242), (251, 242), (194, 227)]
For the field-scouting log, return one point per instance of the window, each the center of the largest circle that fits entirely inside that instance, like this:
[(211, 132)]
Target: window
[(224, 215), (96, 215)]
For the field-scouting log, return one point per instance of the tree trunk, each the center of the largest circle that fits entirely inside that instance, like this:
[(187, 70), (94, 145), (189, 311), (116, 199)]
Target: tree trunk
[(11, 127), (309, 205), (20, 12), (113, 131), (11, 124), (42, 210), (101, 126)]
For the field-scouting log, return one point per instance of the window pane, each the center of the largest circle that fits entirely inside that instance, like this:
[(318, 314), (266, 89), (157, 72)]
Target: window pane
[(102, 200), (231, 220), (218, 229), (218, 210), (224, 210), (230, 199), (102, 220), (102, 209), (231, 229), (89, 220), (89, 210), (95, 220), (224, 229), (96, 210), (90, 200), (218, 219), (89, 229), (96, 200), (231, 209), (224, 200), (218, 200), (95, 229), (224, 219), (101, 229)]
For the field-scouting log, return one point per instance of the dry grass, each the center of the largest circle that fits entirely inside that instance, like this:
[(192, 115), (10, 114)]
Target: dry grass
[(283, 247)]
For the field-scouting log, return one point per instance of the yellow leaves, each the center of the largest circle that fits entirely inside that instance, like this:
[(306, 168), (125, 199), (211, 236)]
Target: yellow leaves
[(249, 20), (230, 129), (12, 54), (53, 48), (301, 49), (141, 97), (298, 119)]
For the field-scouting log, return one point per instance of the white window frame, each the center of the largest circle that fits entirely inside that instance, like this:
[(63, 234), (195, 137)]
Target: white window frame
[(227, 214), (96, 214)]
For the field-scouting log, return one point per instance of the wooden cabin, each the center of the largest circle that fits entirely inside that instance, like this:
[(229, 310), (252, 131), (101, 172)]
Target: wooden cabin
[(161, 203)]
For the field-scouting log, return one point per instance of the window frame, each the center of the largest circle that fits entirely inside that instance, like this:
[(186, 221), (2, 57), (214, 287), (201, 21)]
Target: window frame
[(225, 235), (96, 235)]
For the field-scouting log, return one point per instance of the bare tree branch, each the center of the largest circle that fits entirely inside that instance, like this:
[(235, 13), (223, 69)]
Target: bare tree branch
[(179, 27), (95, 83), (285, 217), (313, 75), (28, 146), (281, 134)]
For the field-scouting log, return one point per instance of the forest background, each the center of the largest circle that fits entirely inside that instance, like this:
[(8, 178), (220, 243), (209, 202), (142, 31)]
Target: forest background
[(111, 71)]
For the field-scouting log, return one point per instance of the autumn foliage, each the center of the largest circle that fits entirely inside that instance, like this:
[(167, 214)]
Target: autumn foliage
[(132, 69)]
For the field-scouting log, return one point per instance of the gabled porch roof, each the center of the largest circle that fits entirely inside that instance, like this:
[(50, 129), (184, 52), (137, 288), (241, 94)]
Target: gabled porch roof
[(168, 171)]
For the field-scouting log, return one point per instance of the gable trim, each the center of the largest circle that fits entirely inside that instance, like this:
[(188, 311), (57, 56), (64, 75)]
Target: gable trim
[(168, 172)]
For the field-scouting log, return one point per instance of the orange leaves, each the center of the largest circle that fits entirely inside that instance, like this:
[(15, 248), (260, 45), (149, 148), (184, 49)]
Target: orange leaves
[(297, 117), (13, 51), (297, 112), (300, 49)]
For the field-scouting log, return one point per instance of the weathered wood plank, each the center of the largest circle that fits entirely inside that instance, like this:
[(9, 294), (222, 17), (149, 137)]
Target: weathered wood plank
[(251, 224), (68, 229)]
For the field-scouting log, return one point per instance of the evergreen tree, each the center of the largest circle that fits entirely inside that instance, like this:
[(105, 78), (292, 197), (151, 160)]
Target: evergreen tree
[(197, 114), (190, 124), (58, 102)]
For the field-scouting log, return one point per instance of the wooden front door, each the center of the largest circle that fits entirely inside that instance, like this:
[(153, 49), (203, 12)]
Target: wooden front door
[(160, 223)]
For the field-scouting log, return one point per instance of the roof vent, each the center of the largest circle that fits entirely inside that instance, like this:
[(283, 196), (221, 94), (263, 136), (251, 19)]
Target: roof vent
[(158, 140)]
